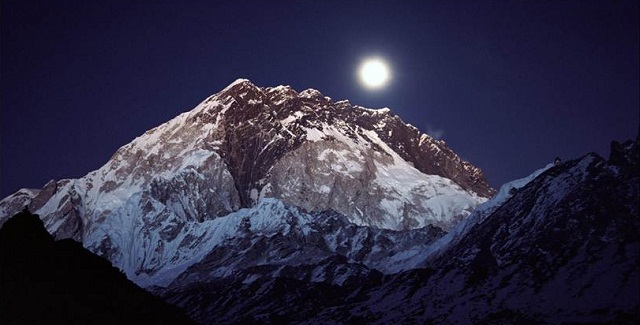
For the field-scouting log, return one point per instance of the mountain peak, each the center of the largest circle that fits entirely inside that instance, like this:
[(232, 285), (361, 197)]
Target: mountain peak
[(312, 94), (239, 89), (148, 207), (238, 82)]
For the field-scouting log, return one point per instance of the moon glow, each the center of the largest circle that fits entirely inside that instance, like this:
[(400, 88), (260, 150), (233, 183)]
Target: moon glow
[(374, 73)]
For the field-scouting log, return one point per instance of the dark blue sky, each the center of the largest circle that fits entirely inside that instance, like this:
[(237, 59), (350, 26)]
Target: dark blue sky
[(510, 85)]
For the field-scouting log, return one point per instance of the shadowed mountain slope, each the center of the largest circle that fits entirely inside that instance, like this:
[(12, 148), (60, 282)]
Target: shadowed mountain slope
[(44, 281)]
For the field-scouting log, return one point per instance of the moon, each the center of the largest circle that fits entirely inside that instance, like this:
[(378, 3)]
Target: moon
[(374, 73)]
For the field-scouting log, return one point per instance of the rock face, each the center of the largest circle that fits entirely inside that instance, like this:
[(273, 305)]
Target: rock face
[(154, 208), (267, 123), (563, 247)]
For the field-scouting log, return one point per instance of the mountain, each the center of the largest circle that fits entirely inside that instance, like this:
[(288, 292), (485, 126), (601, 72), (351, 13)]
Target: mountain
[(44, 281), (561, 246), (267, 205), (564, 249), (283, 162)]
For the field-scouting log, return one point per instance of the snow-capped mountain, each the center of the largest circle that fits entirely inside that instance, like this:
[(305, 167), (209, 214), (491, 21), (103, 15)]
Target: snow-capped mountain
[(561, 246), (272, 157), (265, 205)]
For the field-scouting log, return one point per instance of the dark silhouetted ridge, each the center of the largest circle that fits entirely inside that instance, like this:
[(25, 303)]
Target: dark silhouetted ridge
[(43, 280)]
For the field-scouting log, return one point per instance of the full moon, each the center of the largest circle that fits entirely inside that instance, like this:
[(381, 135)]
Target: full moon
[(374, 73)]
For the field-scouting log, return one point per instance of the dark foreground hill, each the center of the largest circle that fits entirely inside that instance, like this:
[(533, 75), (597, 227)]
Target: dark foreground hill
[(43, 280)]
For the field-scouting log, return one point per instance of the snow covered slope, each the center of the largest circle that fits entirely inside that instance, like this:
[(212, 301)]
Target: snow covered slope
[(479, 214), (273, 240)]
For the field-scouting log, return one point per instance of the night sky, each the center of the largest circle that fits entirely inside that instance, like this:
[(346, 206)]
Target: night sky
[(508, 85)]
